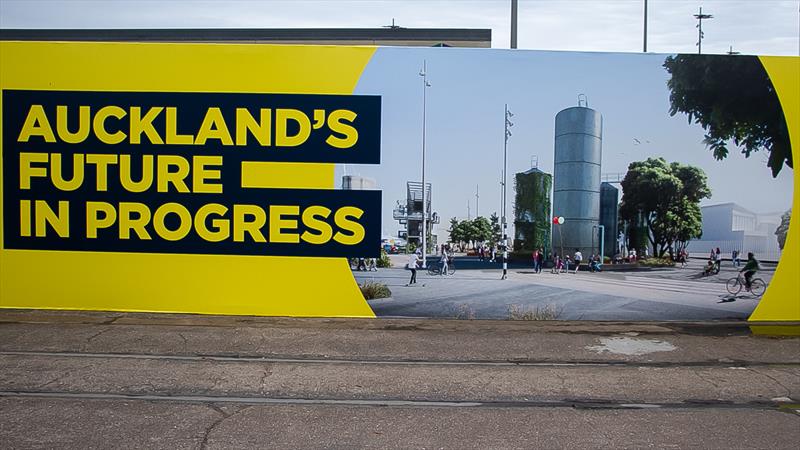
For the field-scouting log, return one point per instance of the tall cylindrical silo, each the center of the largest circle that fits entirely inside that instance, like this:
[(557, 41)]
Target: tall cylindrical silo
[(576, 180)]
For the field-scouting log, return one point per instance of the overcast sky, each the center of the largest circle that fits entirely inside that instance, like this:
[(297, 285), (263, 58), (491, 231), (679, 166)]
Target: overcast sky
[(750, 26)]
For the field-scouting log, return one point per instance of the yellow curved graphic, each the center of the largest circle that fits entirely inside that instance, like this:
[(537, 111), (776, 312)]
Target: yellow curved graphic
[(205, 284), (782, 300)]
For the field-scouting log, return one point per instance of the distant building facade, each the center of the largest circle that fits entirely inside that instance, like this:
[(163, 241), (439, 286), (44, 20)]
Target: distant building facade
[(732, 227), (609, 218), (356, 182)]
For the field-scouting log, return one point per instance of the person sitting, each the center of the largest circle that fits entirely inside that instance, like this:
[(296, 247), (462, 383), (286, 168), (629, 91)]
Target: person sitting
[(709, 268)]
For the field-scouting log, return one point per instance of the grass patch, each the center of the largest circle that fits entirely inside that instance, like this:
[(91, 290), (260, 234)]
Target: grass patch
[(371, 290), (464, 312), (546, 312)]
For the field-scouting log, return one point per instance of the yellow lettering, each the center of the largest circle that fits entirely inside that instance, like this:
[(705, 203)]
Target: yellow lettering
[(46, 216), (26, 171), (173, 138), (57, 175), (84, 125), (260, 130), (36, 124), (25, 218), (99, 124), (311, 221), (101, 162), (277, 224), (126, 179), (137, 224), (144, 125), (183, 228), (253, 227), (165, 177), (335, 124), (201, 175), (222, 227), (281, 126), (213, 127), (94, 222), (342, 220)]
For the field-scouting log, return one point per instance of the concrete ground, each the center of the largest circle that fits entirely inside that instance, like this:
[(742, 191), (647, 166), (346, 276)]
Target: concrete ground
[(79, 379), (658, 294)]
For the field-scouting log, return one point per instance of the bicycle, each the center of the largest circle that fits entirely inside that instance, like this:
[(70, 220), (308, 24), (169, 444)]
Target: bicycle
[(735, 285), (436, 268)]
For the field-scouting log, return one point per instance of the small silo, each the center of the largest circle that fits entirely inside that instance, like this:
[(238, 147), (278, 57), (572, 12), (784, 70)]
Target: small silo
[(576, 180)]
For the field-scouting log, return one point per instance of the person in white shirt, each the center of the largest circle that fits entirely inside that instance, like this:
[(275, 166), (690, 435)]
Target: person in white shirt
[(412, 266), (578, 259)]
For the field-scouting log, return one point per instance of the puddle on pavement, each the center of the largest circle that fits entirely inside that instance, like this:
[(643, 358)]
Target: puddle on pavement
[(631, 346)]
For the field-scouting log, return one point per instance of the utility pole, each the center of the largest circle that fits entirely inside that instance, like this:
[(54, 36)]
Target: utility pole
[(700, 16), (645, 27), (425, 85), (513, 23), (476, 201)]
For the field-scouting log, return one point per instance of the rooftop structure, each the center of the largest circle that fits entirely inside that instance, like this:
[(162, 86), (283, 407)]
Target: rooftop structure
[(392, 36)]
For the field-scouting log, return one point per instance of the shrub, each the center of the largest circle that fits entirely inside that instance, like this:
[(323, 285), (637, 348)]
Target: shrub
[(384, 261), (546, 312), (657, 262), (371, 290), (464, 312)]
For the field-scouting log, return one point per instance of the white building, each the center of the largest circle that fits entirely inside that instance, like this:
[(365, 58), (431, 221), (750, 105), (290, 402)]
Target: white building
[(731, 227)]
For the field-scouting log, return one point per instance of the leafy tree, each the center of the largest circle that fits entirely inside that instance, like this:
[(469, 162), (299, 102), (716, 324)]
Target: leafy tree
[(497, 232), (783, 228), (732, 98), (667, 198), (482, 229)]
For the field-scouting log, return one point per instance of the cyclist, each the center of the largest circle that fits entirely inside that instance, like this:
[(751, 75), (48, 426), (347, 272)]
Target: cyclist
[(750, 268)]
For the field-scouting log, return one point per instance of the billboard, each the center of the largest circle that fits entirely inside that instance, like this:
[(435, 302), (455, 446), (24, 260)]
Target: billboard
[(219, 179)]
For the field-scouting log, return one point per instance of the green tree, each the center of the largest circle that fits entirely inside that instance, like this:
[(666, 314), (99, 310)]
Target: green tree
[(497, 232), (456, 231), (732, 98), (667, 197), (482, 228), (783, 228)]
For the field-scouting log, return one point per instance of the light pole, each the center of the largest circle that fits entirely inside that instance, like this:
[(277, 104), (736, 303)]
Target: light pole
[(507, 133), (425, 85), (513, 23), (645, 27), (700, 18), (477, 197)]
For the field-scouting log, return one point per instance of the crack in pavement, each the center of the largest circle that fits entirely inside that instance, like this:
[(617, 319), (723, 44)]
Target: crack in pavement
[(225, 416), (788, 391)]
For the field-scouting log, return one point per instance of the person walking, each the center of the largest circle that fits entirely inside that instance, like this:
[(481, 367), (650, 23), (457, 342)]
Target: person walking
[(540, 260), (718, 260), (444, 263), (578, 259), (735, 258), (535, 257), (413, 260)]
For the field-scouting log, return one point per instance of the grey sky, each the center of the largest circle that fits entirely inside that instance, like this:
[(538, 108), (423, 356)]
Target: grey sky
[(750, 26)]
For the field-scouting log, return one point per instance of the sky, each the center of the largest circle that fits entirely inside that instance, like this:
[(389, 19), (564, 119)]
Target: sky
[(750, 26), (465, 109), (469, 89)]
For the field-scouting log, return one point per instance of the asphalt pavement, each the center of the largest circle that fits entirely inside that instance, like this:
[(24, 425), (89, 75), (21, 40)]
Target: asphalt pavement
[(99, 380), (479, 293)]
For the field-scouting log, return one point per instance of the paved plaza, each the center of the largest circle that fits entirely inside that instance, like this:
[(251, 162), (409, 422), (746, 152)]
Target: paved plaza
[(657, 294)]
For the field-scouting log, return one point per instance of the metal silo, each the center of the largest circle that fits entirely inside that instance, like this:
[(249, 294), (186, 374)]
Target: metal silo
[(576, 180)]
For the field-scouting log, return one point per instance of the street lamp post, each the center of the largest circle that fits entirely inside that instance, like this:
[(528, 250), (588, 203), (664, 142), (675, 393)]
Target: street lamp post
[(425, 85), (645, 28), (508, 124), (700, 35)]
